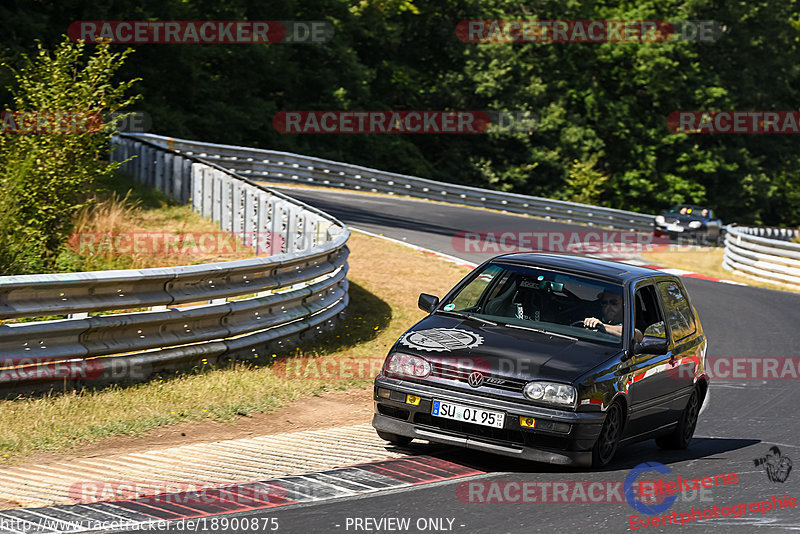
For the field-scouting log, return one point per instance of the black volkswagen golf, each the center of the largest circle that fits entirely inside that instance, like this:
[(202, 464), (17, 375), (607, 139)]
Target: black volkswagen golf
[(550, 358)]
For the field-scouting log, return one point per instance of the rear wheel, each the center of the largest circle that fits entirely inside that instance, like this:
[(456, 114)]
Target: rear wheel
[(394, 439), (682, 435), (606, 445)]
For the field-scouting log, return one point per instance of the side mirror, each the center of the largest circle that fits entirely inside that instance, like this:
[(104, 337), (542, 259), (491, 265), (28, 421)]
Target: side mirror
[(651, 345), (427, 303)]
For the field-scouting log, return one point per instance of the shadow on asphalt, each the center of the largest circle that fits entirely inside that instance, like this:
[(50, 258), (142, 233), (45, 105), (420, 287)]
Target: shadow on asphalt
[(627, 457)]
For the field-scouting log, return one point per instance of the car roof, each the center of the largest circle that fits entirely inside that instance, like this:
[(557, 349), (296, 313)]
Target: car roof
[(592, 267)]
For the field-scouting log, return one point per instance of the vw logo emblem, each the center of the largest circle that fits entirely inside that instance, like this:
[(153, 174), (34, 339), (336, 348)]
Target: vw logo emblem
[(475, 379)]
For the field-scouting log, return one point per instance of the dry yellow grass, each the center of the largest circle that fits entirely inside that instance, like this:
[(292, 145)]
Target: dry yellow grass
[(706, 261), (386, 279), (118, 233)]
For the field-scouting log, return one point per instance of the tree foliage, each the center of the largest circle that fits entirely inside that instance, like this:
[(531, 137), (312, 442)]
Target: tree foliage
[(44, 177), (604, 103)]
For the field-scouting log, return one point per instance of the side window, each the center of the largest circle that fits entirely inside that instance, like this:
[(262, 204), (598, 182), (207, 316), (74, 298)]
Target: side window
[(679, 315), (648, 318)]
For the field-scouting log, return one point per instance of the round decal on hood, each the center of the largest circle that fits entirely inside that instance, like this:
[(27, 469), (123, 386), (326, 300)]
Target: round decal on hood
[(441, 339)]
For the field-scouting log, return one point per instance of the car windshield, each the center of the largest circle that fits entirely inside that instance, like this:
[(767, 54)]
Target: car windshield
[(691, 210), (531, 297)]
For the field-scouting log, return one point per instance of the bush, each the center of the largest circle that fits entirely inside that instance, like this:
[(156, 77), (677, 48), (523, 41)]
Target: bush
[(585, 183), (45, 176)]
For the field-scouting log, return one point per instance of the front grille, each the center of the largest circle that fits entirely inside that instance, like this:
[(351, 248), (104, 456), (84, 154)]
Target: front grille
[(461, 374)]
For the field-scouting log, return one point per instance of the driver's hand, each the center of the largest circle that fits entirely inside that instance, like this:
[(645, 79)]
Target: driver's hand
[(591, 322)]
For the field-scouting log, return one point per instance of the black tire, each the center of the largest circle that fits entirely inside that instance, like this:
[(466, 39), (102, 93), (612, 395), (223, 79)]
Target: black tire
[(394, 439), (606, 445), (682, 435)]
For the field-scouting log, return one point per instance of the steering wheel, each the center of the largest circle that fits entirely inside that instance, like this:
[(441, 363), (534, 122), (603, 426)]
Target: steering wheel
[(599, 328)]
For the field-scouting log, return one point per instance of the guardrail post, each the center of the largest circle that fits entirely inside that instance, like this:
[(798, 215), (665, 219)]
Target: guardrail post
[(237, 207), (226, 204), (138, 163), (279, 225), (197, 183), (167, 177), (216, 195), (178, 179), (249, 217), (208, 192), (186, 180), (158, 162), (291, 228)]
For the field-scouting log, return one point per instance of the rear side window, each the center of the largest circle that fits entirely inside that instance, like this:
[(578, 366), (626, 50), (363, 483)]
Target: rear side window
[(648, 318), (679, 314)]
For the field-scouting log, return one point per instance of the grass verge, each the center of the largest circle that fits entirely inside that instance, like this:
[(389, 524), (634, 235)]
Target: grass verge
[(129, 226), (386, 279), (707, 261)]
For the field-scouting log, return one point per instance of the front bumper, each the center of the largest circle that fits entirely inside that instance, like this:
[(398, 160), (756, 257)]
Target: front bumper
[(558, 437)]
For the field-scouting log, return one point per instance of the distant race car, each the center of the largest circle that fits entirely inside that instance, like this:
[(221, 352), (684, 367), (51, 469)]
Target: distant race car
[(549, 358), (696, 223)]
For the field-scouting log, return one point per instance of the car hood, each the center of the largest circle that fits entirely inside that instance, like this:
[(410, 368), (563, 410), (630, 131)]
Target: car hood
[(501, 350)]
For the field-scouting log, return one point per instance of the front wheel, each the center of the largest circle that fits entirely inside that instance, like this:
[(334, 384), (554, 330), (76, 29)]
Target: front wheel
[(606, 445), (682, 435), (394, 439)]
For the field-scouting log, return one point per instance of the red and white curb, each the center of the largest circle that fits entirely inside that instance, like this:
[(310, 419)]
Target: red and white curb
[(192, 510), (621, 259)]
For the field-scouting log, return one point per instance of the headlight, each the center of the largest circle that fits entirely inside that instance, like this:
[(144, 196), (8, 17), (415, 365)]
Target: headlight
[(561, 394), (695, 224), (406, 366), (660, 219)]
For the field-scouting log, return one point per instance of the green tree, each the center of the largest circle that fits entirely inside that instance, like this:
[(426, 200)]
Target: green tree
[(45, 175), (585, 183)]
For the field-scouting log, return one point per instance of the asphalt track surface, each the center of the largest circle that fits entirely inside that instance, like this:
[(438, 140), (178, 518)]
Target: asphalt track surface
[(741, 421)]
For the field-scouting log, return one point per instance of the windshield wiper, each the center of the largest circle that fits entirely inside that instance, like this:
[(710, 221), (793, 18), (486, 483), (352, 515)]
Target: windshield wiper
[(540, 331), (466, 316)]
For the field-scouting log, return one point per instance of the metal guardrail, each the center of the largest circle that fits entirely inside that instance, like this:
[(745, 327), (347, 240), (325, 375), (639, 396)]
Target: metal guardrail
[(237, 310), (780, 234), (772, 259), (273, 166)]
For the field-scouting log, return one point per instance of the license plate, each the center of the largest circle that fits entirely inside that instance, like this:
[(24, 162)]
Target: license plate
[(468, 414), (674, 228)]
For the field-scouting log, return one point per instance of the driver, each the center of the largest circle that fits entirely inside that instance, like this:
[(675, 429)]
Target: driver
[(611, 306)]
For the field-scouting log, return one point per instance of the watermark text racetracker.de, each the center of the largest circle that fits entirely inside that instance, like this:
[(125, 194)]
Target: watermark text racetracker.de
[(586, 31), (37, 369), (741, 368), (345, 368), (348, 368), (565, 491), (734, 122), (381, 122), (576, 242), (404, 122), (201, 31), (180, 493), (72, 122), (217, 243), (50, 122)]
